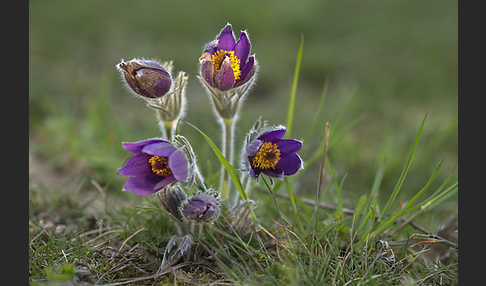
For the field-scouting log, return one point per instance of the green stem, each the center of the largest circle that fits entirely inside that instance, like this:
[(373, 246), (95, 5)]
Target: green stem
[(169, 129), (228, 146), (166, 127)]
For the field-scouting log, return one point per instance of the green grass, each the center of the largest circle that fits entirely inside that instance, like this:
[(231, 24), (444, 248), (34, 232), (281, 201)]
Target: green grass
[(372, 76), (294, 257)]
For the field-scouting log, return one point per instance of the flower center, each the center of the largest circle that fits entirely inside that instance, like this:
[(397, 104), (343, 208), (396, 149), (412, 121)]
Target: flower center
[(267, 157), (160, 166), (220, 55)]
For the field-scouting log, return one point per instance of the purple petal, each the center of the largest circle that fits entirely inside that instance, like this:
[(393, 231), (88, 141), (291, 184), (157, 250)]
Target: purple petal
[(207, 72), (164, 182), (150, 63), (273, 135), (287, 146), (242, 48), (178, 165), (253, 147), (160, 149), (143, 185), (162, 85), (226, 39), (136, 147), (247, 71), (289, 164), (276, 173), (136, 165), (225, 78)]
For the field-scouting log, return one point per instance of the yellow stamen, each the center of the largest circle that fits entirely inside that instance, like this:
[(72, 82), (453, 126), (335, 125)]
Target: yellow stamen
[(221, 55), (160, 166), (267, 157)]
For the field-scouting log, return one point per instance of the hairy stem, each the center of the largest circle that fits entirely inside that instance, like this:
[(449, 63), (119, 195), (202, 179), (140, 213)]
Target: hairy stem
[(169, 128), (228, 150)]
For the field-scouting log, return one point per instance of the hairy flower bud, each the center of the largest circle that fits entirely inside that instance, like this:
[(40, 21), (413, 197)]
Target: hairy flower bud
[(172, 198), (145, 77), (202, 207)]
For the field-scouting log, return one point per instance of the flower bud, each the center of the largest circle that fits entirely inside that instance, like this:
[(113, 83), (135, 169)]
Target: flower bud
[(146, 78), (202, 207), (172, 198)]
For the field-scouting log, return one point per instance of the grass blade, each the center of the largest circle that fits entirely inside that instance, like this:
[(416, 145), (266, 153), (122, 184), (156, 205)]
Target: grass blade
[(357, 211), (319, 109), (318, 153), (339, 188), (231, 171), (291, 195), (403, 211), (404, 173), (290, 116), (440, 197)]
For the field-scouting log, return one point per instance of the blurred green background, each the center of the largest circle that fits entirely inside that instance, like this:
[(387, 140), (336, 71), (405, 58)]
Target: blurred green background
[(387, 64)]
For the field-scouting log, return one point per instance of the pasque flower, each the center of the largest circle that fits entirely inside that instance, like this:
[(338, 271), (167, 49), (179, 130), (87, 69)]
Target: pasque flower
[(146, 77), (155, 164), (201, 207), (172, 197), (272, 155), (225, 63)]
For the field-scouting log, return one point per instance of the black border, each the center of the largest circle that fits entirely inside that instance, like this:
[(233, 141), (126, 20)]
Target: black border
[(471, 80), (15, 141)]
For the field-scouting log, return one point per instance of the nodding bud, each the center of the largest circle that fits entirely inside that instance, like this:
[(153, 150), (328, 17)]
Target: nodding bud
[(201, 207), (172, 198), (146, 78)]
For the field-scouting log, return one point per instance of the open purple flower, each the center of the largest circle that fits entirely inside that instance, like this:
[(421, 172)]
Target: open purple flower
[(274, 156), (225, 63), (156, 163)]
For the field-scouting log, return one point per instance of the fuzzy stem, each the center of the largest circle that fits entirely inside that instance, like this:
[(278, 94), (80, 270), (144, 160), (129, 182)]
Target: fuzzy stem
[(169, 128), (166, 127), (178, 227), (199, 232), (191, 227), (228, 150)]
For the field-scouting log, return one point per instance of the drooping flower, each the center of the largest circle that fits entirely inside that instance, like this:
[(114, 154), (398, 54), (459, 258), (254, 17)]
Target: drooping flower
[(147, 78), (156, 163), (202, 207), (272, 155), (225, 63)]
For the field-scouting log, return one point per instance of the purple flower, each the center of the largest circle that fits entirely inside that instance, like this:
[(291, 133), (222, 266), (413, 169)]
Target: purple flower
[(226, 64), (201, 207), (146, 78), (156, 163), (273, 156)]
